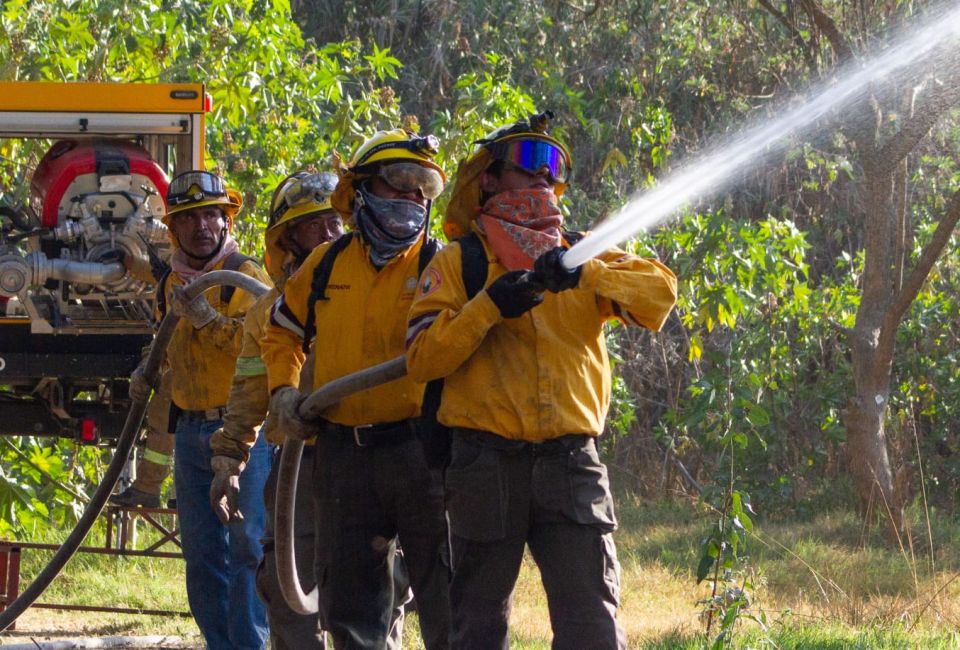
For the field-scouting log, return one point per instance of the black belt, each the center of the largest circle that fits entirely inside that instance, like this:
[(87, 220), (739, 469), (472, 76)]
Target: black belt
[(374, 435), (550, 447)]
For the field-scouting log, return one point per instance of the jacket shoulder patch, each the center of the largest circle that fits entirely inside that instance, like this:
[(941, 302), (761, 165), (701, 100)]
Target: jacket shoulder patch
[(430, 281)]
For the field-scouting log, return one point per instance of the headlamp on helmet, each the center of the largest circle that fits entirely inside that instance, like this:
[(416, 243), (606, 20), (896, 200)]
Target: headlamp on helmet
[(427, 145)]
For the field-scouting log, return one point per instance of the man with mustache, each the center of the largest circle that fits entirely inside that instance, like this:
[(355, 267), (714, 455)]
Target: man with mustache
[(221, 559)]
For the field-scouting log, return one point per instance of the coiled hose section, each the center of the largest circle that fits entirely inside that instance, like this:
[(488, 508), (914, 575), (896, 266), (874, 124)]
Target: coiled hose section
[(310, 409)]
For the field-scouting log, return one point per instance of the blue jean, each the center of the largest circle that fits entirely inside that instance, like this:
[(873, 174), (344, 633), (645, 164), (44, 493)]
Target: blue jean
[(221, 559)]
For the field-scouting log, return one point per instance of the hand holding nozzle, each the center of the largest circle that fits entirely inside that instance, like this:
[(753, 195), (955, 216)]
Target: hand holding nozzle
[(550, 271)]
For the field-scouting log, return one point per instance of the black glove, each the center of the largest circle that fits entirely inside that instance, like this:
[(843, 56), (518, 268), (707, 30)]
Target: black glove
[(550, 271), (515, 293)]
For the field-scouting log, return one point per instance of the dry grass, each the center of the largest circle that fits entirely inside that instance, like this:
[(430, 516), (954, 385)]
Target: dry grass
[(825, 579)]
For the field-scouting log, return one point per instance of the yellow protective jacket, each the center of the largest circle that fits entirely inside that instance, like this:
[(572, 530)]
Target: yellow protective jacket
[(544, 374), (202, 360), (362, 323), (249, 395)]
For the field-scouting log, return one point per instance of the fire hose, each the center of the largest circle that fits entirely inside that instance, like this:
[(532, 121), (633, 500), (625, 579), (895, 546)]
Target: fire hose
[(311, 408), (289, 470), (125, 443)]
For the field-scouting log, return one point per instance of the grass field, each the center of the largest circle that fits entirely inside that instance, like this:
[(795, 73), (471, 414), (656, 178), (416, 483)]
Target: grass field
[(825, 582)]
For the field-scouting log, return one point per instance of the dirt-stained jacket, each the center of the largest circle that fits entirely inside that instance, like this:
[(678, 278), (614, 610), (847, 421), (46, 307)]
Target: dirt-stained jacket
[(249, 396), (544, 374), (202, 360), (361, 324)]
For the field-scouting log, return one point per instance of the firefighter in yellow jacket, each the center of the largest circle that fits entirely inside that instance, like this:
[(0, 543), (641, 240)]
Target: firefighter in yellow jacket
[(301, 218), (373, 482), (526, 390), (221, 560)]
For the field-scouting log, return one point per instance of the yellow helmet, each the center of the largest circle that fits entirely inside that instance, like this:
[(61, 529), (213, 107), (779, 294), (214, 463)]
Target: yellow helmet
[(297, 196), (396, 145), (525, 144), (198, 189)]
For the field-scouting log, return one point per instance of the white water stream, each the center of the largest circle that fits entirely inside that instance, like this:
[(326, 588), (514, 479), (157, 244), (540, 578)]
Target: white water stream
[(713, 171)]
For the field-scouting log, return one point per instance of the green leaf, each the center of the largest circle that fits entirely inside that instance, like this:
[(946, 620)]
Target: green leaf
[(704, 567)]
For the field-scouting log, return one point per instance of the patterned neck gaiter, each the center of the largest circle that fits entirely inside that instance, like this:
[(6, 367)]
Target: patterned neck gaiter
[(521, 225), (389, 226)]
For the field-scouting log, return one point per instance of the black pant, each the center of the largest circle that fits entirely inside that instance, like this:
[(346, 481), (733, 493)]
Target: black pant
[(368, 497), (554, 497)]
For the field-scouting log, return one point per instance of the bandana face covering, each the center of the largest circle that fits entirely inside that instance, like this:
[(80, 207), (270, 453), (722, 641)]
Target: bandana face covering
[(521, 225), (390, 226)]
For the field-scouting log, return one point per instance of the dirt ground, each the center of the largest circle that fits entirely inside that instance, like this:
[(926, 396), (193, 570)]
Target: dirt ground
[(43, 625)]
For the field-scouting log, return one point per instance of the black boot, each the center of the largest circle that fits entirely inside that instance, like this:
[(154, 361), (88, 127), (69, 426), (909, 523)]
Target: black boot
[(132, 497)]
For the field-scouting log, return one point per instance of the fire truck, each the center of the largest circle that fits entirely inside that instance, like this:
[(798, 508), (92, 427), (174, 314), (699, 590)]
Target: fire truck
[(83, 171)]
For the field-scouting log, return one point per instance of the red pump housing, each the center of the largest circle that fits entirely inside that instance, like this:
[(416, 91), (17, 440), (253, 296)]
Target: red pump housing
[(74, 167)]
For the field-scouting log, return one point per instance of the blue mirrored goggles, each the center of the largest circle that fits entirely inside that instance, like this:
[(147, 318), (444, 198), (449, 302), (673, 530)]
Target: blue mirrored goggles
[(534, 155), (194, 186)]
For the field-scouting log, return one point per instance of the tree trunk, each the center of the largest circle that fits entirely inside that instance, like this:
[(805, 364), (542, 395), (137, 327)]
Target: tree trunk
[(886, 294), (867, 447), (872, 349)]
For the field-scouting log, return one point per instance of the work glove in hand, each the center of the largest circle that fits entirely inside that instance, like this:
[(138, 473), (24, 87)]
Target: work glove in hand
[(283, 405), (549, 270), (198, 311), (514, 293), (225, 488), (139, 389)]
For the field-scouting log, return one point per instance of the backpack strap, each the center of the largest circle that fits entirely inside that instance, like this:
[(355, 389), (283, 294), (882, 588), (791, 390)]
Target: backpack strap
[(427, 251), (162, 293), (233, 263), (473, 264), (318, 287), (434, 436)]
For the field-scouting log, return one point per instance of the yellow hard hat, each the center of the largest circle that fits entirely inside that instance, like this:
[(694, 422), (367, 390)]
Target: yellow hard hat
[(396, 145), (297, 196), (198, 189), (525, 144)]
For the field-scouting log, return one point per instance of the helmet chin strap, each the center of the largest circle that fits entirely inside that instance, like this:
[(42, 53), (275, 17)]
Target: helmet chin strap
[(214, 253)]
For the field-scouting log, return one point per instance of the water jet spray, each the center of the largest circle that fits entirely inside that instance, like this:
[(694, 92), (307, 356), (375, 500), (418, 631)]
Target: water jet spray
[(714, 170)]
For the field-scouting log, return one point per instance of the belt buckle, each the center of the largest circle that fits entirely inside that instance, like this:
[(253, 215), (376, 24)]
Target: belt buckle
[(356, 434), (212, 414)]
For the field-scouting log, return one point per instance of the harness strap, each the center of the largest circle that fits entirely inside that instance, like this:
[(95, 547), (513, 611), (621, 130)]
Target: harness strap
[(233, 262), (318, 286), (473, 264)]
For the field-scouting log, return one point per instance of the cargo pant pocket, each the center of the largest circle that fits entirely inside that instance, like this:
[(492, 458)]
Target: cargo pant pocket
[(590, 500), (474, 492)]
